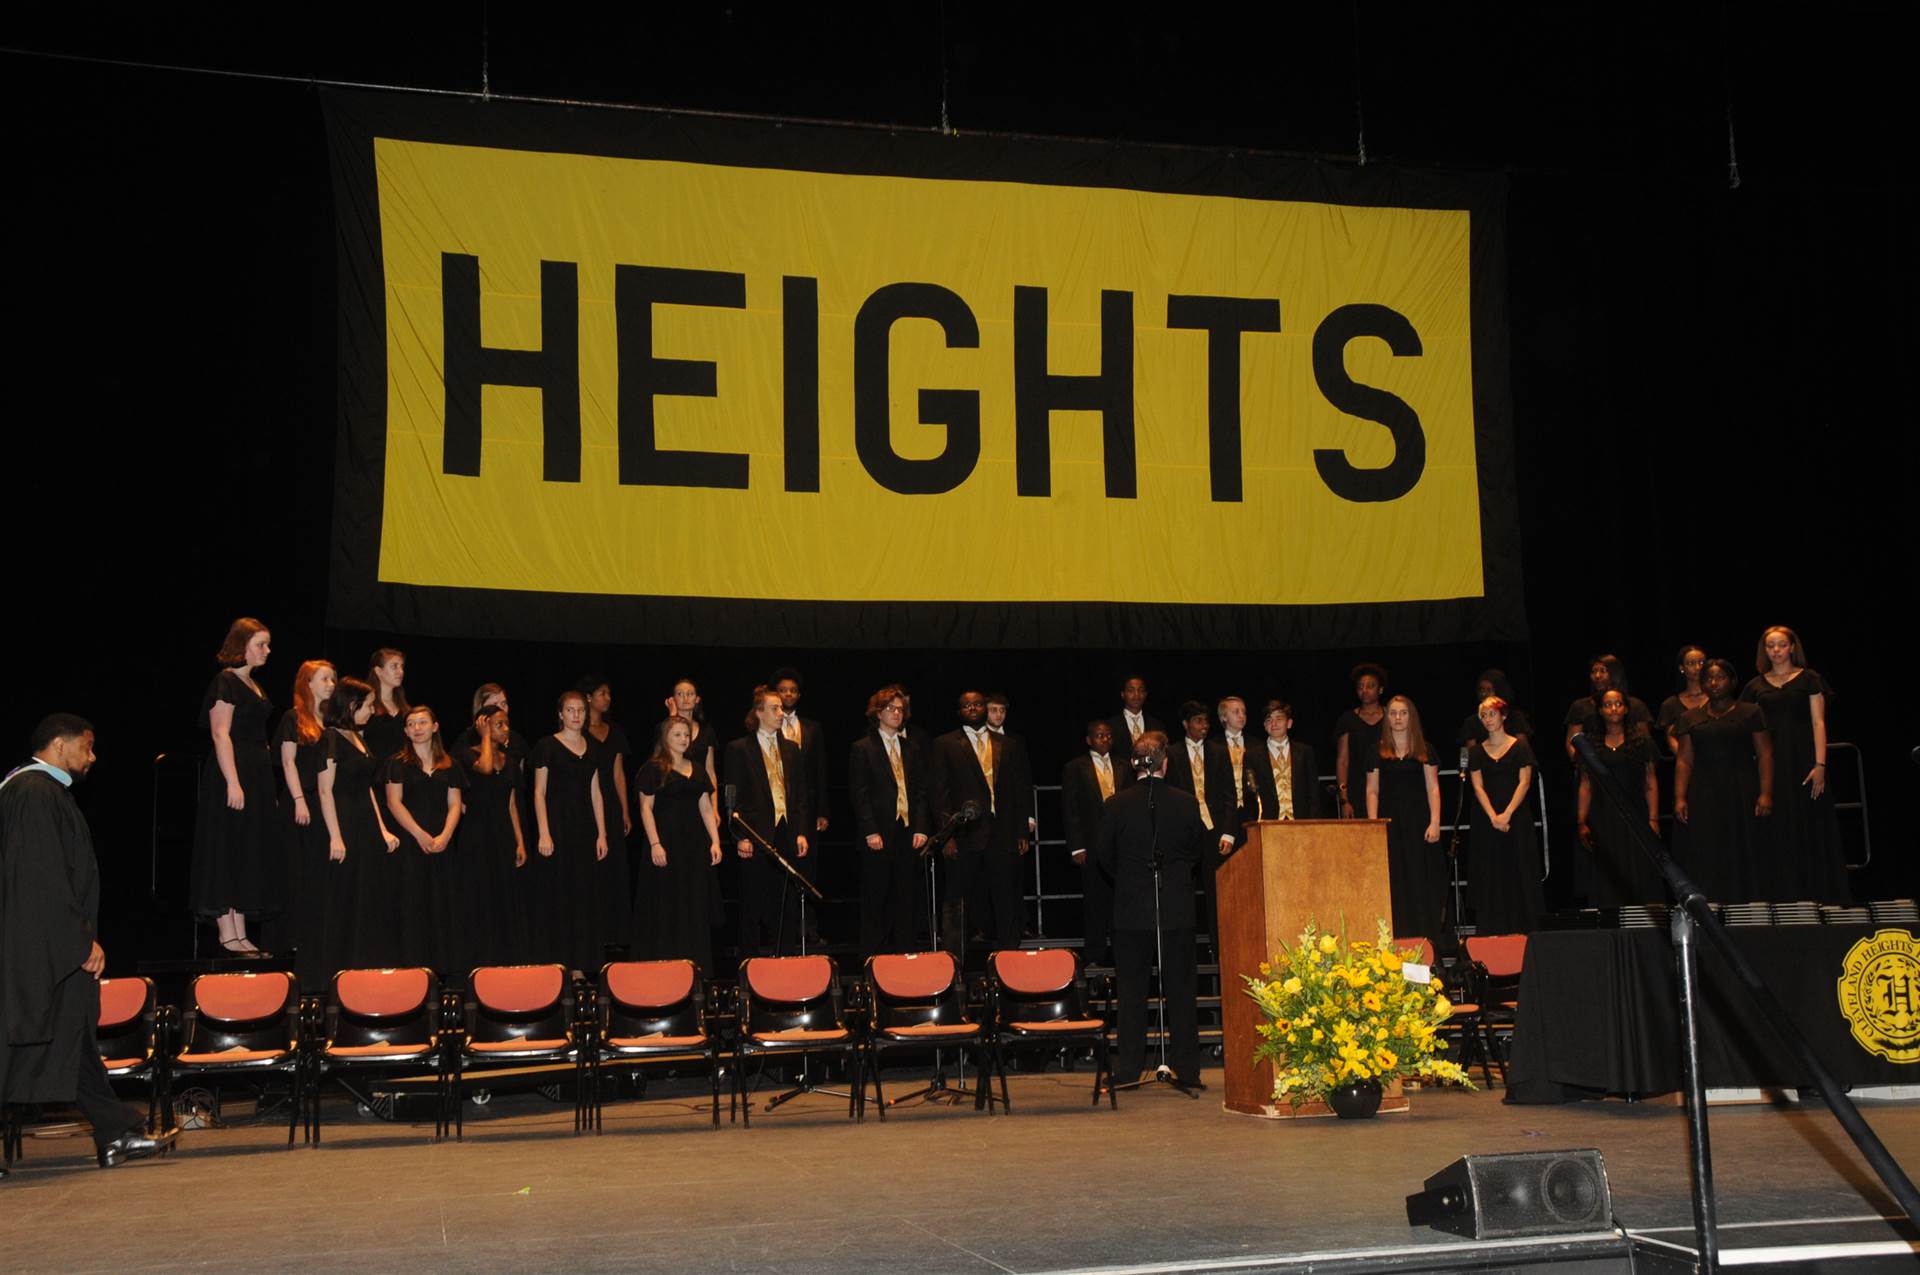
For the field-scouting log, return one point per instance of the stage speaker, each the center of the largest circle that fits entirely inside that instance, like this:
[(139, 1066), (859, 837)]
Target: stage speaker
[(1491, 1197)]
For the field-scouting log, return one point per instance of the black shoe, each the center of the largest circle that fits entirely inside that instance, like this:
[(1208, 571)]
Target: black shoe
[(133, 1145)]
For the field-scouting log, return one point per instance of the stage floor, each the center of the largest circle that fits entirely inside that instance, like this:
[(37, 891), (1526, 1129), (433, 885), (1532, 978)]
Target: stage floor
[(1058, 1185)]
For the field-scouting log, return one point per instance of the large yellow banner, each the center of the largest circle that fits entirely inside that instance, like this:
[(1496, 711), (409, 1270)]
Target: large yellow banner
[(637, 377)]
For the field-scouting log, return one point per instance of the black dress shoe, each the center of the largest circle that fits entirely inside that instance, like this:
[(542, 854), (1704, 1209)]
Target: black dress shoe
[(134, 1144)]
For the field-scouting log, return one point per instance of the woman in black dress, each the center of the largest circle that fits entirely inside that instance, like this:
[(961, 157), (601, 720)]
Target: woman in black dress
[(1356, 733), (572, 822), (239, 859), (685, 703), (612, 753), (683, 834), (1504, 874), (1403, 787), (1688, 695), (386, 733), (299, 743), (492, 847), (1604, 673), (1722, 790), (1620, 872), (1794, 700), (1492, 684), (363, 915), (425, 796)]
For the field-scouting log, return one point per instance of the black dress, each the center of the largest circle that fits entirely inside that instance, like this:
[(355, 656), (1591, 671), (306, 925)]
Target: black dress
[(363, 915), (308, 872), (679, 921), (1503, 874), (1671, 711), (1416, 869), (239, 856), (1805, 831), (611, 756), (385, 735), (1363, 742), (1618, 870), (432, 929), (569, 927), (1721, 845), (488, 897)]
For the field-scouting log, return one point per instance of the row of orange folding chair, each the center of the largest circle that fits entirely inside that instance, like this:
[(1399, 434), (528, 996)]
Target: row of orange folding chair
[(1486, 1001)]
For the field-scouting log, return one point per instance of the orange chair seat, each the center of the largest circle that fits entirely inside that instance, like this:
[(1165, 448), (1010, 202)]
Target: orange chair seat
[(507, 1046), (794, 1035), (656, 1042), (1468, 1008), (122, 1064), (235, 1056), (1061, 1025), (935, 1029), (383, 1049)]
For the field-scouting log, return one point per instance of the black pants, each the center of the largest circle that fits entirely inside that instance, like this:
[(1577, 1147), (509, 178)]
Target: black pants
[(1096, 897), (998, 868), (1133, 952), (892, 892), (769, 903), (92, 1092)]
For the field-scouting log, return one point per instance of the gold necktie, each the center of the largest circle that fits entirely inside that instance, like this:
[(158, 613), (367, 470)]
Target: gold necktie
[(899, 780), (983, 749), (1197, 763), (1283, 781), (1238, 752), (1103, 768), (792, 730), (1134, 730), (776, 778)]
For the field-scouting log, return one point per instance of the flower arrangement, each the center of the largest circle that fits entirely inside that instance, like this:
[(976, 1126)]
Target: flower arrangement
[(1340, 1011)]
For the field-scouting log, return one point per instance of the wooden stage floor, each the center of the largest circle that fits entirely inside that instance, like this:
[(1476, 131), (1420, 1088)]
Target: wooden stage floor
[(1058, 1185)]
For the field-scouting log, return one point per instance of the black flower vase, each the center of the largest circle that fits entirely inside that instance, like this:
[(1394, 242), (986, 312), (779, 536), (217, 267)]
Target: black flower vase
[(1355, 1100)]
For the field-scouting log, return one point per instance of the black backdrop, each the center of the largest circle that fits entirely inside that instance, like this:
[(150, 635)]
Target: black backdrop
[(1711, 434)]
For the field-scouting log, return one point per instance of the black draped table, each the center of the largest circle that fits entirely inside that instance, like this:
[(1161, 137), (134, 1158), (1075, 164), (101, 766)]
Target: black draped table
[(1598, 1014)]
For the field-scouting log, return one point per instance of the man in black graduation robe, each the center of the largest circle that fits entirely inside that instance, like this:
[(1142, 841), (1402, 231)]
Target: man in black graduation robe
[(50, 960), (1147, 820)]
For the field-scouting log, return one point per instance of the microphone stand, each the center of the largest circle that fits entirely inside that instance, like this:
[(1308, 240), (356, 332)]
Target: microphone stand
[(1688, 920), (1453, 852), (794, 877), (1163, 1074), (938, 1090)]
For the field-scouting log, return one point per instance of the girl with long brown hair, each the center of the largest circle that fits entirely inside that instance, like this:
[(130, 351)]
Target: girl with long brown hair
[(239, 859), (1403, 787), (387, 674), (299, 744), (683, 838), (424, 791)]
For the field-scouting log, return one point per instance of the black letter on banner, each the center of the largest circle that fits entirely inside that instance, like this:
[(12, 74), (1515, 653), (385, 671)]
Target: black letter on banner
[(958, 410), (636, 290), (553, 369), (800, 349), (1330, 341), (1224, 319), (1038, 393)]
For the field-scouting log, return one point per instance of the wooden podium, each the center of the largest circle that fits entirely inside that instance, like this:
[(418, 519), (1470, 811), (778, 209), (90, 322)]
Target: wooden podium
[(1328, 871)]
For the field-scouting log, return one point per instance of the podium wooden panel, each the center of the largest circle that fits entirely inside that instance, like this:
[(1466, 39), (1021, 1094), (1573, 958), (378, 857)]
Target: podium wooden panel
[(1328, 871)]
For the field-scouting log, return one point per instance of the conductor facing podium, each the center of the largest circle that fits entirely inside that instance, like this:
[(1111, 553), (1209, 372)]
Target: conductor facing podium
[(1153, 818)]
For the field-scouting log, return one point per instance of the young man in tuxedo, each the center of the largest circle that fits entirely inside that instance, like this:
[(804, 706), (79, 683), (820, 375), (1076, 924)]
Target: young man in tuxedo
[(812, 743), (1087, 784), (972, 764), (887, 778), (1285, 772), (1207, 776), (770, 794), (1133, 720), (1154, 820), (1232, 712)]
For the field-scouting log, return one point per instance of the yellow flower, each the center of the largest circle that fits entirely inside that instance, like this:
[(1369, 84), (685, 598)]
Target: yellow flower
[(1265, 969), (1318, 1035), (1329, 944), (1442, 1005), (1292, 986), (1390, 960), (1436, 984), (1371, 1000), (1342, 1030)]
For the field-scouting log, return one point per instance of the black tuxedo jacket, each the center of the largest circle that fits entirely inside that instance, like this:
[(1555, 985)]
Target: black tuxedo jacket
[(1223, 803), (813, 759), (1123, 742), (870, 780), (1152, 812), (1306, 781), (746, 769), (955, 778), (1083, 810)]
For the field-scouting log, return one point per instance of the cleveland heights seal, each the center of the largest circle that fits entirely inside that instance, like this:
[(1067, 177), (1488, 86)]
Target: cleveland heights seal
[(1880, 994)]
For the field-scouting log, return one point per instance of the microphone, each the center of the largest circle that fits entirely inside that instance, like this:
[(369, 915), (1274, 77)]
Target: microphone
[(1583, 745), (1464, 750), (727, 796), (968, 812)]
